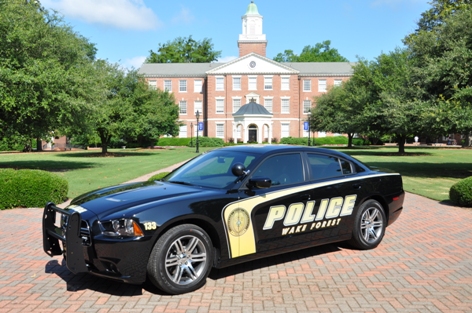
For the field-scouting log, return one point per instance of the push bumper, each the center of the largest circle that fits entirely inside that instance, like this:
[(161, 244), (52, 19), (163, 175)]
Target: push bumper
[(68, 234)]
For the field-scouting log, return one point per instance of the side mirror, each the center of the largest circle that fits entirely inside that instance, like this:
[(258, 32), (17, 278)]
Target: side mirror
[(259, 183), (238, 169)]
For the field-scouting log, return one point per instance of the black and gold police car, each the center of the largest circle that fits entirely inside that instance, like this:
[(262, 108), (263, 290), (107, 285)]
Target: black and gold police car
[(223, 207)]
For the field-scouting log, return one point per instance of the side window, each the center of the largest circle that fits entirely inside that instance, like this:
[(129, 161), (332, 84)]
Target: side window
[(324, 166), (282, 169)]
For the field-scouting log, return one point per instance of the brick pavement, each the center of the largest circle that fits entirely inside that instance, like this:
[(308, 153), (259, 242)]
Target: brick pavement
[(424, 264)]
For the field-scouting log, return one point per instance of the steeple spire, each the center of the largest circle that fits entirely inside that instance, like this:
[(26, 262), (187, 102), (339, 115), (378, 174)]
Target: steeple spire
[(252, 39)]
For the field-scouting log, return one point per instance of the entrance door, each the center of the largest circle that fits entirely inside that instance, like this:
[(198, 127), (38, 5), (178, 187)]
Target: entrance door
[(252, 133)]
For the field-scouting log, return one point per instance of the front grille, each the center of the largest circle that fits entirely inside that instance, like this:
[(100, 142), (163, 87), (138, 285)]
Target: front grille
[(84, 230), (85, 233)]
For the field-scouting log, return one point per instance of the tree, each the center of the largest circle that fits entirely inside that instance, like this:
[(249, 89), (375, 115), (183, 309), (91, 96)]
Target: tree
[(321, 52), (41, 70), (443, 70), (125, 108), (184, 50)]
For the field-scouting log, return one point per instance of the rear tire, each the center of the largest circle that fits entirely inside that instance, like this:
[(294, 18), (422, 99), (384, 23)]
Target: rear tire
[(369, 226), (181, 259)]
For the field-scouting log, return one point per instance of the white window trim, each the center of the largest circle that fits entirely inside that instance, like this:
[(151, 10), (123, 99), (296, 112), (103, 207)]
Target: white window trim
[(200, 89), (264, 104), (216, 130), (325, 85), (281, 82), (216, 104), (180, 85), (164, 88), (222, 88), (281, 107), (240, 82), (180, 107), (240, 103), (303, 106), (268, 78), (306, 90), (249, 79), (199, 108)]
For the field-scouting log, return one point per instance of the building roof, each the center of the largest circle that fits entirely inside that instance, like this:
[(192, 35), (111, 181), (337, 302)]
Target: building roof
[(176, 69), (200, 69), (252, 108)]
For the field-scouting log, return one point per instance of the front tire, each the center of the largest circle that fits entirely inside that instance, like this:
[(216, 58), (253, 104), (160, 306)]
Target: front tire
[(181, 259), (369, 226)]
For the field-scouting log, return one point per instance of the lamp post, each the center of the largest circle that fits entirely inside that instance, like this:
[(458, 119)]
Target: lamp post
[(191, 134), (197, 115), (309, 141)]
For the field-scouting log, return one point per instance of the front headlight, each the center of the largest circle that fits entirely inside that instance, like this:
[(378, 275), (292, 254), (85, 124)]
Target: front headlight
[(125, 227)]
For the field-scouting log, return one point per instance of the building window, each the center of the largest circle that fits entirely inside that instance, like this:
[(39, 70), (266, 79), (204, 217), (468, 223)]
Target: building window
[(236, 104), (307, 85), (168, 85), (183, 131), (285, 105), (236, 82), (267, 82), (338, 82), (220, 83), (220, 105), (220, 130), (197, 105), (322, 85), (183, 107), (252, 82), (268, 104), (285, 83), (152, 84), (182, 85), (306, 106), (197, 86), (285, 130)]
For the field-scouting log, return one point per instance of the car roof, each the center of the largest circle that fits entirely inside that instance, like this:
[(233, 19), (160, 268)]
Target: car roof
[(267, 148)]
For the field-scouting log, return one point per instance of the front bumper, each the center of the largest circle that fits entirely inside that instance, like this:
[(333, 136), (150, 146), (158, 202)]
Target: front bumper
[(52, 234)]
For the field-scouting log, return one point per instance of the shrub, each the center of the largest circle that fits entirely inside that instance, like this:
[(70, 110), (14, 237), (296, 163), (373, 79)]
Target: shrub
[(209, 142), (461, 192), (294, 141), (158, 176), (30, 188), (173, 141)]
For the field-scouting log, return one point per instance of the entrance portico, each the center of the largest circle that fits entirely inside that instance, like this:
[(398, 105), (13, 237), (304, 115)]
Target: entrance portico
[(252, 123)]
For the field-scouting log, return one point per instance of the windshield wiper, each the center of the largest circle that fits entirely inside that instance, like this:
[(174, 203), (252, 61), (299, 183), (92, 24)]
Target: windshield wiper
[(180, 182)]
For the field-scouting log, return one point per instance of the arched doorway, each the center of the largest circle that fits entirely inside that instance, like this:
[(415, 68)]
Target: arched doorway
[(252, 133)]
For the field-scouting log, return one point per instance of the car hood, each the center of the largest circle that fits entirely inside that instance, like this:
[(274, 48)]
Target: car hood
[(116, 198)]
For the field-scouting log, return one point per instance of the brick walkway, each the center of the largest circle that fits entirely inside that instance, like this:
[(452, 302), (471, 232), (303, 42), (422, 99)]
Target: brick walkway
[(424, 264)]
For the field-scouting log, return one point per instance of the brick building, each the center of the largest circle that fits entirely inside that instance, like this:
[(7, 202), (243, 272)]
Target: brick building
[(251, 98)]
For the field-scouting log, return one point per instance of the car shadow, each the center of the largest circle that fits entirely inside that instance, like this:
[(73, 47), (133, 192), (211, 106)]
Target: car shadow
[(84, 281)]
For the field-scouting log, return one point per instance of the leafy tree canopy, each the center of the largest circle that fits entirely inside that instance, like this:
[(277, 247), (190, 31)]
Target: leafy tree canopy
[(184, 50), (42, 68), (321, 52)]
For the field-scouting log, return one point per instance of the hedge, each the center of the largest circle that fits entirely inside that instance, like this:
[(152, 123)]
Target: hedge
[(461, 192), (30, 188)]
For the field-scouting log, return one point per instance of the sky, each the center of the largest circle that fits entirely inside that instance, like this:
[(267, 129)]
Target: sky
[(125, 31)]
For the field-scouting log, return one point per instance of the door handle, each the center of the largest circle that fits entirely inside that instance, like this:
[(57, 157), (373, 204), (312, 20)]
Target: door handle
[(357, 186), (306, 197)]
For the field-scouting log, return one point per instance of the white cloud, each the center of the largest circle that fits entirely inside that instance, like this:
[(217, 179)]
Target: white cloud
[(135, 62), (184, 16), (124, 14), (227, 59)]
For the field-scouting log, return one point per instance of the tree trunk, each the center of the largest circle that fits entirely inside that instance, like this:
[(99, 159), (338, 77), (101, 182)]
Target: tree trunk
[(39, 146), (401, 144), (104, 139), (349, 139)]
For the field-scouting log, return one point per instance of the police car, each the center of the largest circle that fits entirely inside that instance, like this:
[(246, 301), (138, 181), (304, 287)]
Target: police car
[(223, 207)]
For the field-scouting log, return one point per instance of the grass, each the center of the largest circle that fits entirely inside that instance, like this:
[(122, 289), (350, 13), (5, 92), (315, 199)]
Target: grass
[(429, 172), (88, 170)]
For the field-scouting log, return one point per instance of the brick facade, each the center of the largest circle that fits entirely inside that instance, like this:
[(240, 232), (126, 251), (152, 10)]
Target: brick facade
[(286, 90)]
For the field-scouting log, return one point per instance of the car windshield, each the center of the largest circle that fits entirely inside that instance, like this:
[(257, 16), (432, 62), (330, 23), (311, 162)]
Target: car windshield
[(212, 169)]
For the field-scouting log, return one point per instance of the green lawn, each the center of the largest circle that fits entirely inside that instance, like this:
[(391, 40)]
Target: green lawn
[(429, 172), (88, 170)]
